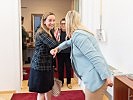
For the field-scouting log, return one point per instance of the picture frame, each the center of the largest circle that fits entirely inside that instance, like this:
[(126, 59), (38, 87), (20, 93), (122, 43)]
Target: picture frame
[(35, 23)]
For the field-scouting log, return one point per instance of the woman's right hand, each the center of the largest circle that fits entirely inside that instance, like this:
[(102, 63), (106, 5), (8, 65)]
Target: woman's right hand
[(54, 51)]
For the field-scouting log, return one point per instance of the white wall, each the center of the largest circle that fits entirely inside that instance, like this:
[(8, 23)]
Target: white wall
[(117, 23), (9, 48)]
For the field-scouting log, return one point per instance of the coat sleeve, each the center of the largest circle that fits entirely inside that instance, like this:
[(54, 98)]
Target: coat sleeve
[(47, 40), (64, 45)]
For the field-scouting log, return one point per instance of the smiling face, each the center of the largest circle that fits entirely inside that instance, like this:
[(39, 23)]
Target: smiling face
[(50, 22)]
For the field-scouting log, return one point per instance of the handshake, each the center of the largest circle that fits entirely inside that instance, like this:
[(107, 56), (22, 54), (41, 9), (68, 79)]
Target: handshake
[(54, 51)]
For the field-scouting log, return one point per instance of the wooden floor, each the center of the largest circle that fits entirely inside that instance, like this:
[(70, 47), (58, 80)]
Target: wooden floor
[(7, 95)]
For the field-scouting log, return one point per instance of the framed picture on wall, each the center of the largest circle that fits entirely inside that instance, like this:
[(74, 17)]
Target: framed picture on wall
[(35, 23)]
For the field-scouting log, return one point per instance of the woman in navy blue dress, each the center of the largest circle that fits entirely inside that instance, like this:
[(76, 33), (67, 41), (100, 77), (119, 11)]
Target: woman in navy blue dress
[(41, 78)]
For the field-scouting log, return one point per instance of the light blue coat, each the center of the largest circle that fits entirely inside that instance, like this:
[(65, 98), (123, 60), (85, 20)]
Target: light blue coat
[(87, 59)]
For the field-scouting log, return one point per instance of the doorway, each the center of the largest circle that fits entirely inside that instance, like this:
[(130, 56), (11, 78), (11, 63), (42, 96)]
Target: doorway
[(32, 12)]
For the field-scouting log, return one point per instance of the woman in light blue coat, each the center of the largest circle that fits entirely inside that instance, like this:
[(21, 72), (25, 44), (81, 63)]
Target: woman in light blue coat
[(86, 57)]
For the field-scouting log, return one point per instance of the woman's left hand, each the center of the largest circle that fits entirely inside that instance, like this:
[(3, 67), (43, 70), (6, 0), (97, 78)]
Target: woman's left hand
[(109, 82)]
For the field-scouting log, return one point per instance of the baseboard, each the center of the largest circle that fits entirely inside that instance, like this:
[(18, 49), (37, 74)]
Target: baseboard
[(10, 91)]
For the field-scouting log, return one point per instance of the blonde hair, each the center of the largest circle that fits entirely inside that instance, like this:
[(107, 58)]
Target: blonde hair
[(73, 22), (43, 26)]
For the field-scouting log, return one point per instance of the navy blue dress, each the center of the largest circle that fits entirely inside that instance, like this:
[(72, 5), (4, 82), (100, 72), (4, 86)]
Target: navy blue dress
[(41, 77)]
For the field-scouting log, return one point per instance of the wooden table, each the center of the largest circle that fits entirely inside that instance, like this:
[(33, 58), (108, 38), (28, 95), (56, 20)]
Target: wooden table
[(123, 88)]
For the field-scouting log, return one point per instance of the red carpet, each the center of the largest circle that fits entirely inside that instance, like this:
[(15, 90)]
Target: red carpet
[(27, 71), (65, 95)]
